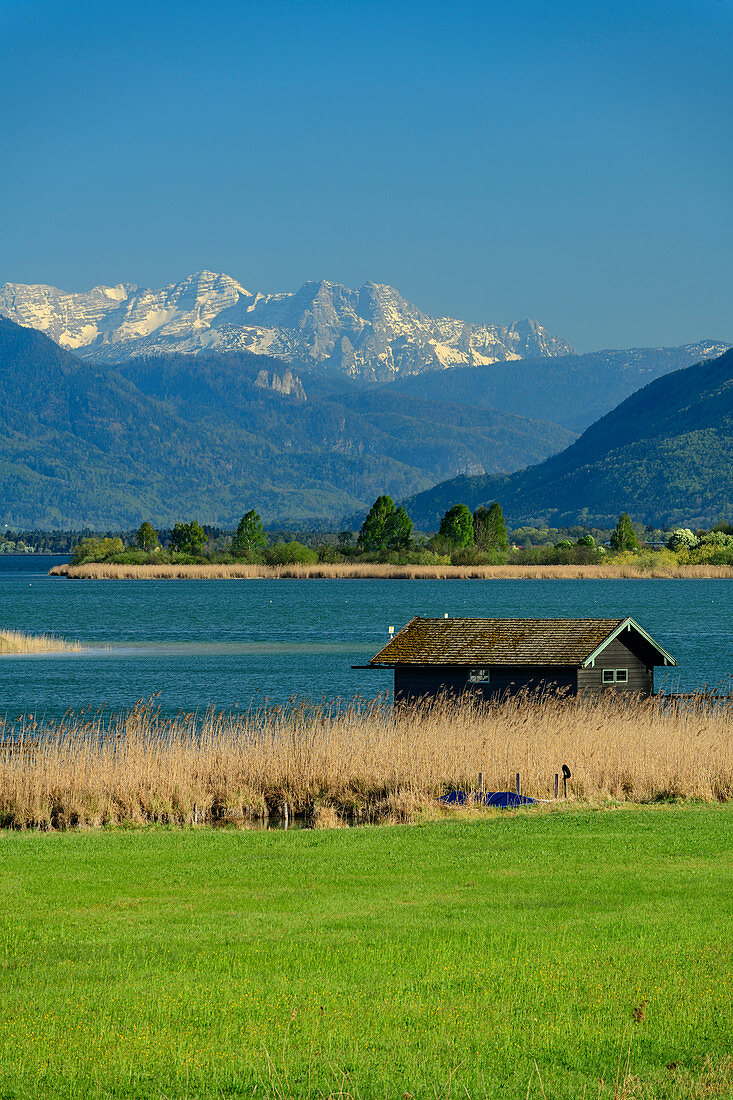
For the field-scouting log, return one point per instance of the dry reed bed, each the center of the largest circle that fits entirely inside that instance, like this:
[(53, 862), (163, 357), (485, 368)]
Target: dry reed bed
[(108, 571), (14, 641), (365, 763)]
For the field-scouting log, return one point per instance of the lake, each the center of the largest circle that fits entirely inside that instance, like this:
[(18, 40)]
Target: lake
[(227, 643)]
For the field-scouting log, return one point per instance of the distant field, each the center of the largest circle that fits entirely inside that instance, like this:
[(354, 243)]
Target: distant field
[(382, 572), (568, 955)]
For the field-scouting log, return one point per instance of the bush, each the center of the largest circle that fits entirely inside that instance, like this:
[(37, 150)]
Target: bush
[(290, 553), (706, 553), (469, 555), (558, 555), (428, 557), (647, 560), (721, 540), (682, 539), (440, 545), (95, 550), (135, 556)]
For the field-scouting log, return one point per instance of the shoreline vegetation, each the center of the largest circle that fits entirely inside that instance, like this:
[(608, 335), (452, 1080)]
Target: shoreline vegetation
[(362, 764), (644, 567), (16, 642), (468, 545)]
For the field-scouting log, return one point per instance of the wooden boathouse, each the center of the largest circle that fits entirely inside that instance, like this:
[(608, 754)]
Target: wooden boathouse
[(498, 657)]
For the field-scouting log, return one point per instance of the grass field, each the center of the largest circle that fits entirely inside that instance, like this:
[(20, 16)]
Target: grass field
[(564, 954), (625, 570)]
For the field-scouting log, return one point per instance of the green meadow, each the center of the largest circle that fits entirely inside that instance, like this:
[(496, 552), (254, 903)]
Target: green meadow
[(565, 953)]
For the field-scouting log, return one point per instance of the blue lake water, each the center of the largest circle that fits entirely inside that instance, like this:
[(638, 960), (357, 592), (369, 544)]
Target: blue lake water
[(227, 643)]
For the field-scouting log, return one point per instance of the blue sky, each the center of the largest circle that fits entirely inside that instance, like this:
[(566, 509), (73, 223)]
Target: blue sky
[(559, 160)]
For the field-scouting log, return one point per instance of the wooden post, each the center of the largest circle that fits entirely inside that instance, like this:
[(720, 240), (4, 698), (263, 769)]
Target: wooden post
[(480, 782), (566, 773), (195, 813), (285, 815), (557, 785), (519, 790)]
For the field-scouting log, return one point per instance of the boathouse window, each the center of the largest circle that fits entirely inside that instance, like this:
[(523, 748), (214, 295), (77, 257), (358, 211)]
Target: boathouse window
[(479, 676), (615, 676)]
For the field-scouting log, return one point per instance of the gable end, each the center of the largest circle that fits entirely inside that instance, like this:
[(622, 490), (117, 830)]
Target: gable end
[(636, 639)]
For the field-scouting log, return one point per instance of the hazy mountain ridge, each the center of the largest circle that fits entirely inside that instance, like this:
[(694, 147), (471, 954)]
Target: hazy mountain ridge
[(574, 391), (665, 454), (172, 437), (371, 333)]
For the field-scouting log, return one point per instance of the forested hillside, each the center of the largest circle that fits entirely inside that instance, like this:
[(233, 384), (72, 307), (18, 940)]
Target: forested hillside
[(663, 455), (84, 444)]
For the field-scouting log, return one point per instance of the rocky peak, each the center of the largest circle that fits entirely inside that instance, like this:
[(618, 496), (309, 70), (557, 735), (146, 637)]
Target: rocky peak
[(286, 384), (372, 333)]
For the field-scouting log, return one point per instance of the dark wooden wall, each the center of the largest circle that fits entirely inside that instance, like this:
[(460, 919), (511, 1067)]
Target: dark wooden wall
[(617, 655), (429, 681), (415, 682)]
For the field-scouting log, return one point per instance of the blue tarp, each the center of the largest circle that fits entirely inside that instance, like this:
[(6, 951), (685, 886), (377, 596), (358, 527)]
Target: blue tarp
[(504, 800)]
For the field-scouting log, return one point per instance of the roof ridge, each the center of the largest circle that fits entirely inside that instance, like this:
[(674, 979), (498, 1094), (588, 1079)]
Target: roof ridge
[(465, 640)]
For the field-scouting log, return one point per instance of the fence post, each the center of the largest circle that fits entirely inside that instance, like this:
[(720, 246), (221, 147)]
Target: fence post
[(557, 785), (519, 790), (480, 782), (566, 773)]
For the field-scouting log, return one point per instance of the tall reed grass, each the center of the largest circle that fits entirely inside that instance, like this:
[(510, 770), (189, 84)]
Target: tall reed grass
[(110, 571), (15, 641), (362, 763)]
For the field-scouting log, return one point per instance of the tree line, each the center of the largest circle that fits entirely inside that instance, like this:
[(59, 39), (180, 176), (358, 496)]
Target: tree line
[(387, 534), (388, 527), (193, 542)]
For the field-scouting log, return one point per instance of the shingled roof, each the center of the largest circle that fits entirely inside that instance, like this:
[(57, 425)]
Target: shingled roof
[(568, 642)]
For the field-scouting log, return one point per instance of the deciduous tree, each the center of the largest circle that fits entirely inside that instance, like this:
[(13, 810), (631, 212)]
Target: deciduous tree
[(624, 536), (399, 534), (489, 528), (456, 526), (188, 538), (250, 537), (147, 537), (385, 527)]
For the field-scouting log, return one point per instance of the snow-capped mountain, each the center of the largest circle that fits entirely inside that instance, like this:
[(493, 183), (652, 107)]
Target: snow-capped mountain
[(372, 333)]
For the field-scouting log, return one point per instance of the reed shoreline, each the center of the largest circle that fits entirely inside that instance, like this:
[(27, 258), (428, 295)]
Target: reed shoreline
[(364, 763), (379, 571), (16, 642)]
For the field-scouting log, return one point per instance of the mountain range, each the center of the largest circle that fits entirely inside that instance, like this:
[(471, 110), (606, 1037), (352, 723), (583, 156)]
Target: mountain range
[(371, 333), (665, 454), (209, 436), (574, 390), (164, 411)]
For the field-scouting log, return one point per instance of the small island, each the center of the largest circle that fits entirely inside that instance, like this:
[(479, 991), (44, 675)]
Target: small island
[(468, 545)]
